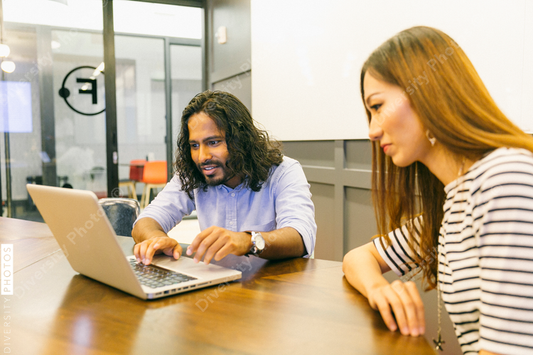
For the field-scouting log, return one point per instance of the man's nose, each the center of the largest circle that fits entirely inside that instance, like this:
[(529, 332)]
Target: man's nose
[(204, 154)]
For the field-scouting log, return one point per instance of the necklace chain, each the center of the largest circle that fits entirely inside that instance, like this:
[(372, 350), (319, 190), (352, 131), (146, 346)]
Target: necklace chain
[(439, 341)]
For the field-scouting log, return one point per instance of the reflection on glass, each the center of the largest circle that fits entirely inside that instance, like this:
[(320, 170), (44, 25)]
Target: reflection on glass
[(186, 69), (79, 99), (57, 47), (15, 103), (157, 19), (71, 14), (47, 143), (140, 84)]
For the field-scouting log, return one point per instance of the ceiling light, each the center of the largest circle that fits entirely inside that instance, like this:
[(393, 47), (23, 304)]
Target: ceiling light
[(4, 50), (8, 66)]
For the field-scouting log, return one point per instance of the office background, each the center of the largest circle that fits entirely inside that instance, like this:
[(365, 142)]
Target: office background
[(155, 53), (291, 74), (266, 61)]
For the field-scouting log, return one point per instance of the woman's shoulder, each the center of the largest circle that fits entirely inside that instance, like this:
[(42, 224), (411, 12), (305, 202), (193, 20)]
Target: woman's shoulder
[(503, 160), (505, 168)]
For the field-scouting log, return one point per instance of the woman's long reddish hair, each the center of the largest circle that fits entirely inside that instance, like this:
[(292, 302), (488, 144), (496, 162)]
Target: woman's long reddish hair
[(455, 106)]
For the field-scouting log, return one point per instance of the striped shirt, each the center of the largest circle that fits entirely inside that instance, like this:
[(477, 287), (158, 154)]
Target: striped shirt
[(485, 253)]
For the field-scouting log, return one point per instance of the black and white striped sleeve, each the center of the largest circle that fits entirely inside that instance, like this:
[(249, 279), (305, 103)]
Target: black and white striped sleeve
[(401, 254), (503, 219)]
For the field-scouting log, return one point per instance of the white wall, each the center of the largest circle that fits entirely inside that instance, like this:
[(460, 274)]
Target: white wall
[(307, 56)]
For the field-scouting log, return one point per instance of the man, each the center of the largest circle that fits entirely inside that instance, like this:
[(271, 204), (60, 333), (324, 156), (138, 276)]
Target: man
[(249, 199)]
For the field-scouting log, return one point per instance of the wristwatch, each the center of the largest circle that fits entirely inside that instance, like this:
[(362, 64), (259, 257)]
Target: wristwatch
[(258, 243)]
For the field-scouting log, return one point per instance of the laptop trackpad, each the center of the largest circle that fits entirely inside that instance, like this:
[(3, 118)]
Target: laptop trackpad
[(186, 265)]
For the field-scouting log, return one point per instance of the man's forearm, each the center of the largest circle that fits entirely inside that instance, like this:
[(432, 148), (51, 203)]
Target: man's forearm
[(283, 243), (147, 228)]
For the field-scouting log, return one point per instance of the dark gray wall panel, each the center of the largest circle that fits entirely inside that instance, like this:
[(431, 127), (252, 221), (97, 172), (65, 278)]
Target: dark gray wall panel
[(358, 154), (233, 57), (324, 200), (238, 85), (312, 153), (359, 221)]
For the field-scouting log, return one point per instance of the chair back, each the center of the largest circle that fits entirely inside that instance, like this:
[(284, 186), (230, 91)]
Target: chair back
[(155, 172), (136, 169), (121, 212)]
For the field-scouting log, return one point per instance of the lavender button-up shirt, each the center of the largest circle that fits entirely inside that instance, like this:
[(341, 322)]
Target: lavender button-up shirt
[(283, 201)]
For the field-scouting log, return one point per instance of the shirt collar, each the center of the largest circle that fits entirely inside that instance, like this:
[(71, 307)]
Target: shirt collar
[(228, 189)]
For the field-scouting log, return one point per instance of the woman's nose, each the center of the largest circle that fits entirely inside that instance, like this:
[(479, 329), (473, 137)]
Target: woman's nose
[(375, 131)]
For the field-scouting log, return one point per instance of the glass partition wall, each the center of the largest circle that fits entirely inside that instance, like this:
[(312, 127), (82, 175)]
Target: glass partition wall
[(53, 114), (186, 69), (140, 95)]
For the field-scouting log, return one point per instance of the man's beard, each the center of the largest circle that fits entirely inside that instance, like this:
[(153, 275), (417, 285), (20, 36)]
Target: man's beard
[(216, 180)]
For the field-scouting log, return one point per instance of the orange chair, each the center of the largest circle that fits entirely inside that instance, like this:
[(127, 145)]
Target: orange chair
[(154, 176), (136, 175)]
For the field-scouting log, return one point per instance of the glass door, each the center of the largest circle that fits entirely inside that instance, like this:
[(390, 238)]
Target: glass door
[(53, 112), (56, 48), (79, 110), (186, 73), (141, 104), (147, 93)]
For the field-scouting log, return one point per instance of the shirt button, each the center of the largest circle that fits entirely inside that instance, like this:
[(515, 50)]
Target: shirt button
[(232, 194)]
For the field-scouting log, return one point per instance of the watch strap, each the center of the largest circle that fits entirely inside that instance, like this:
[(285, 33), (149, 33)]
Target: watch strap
[(254, 250)]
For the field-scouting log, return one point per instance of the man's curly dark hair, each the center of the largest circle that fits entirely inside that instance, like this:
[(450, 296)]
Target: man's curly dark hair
[(251, 151)]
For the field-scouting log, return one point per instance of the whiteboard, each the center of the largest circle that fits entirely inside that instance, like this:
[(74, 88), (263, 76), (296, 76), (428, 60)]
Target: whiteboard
[(307, 56)]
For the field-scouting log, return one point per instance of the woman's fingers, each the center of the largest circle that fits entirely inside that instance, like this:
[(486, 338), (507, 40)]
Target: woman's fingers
[(418, 307), (400, 307)]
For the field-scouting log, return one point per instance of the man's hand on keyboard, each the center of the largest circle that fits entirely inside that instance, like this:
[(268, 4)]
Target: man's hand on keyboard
[(144, 251)]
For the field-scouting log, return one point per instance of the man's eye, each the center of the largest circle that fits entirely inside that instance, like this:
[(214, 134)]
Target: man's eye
[(213, 142), (194, 146)]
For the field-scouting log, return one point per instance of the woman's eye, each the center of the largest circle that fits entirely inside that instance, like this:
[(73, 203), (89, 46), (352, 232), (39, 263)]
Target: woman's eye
[(375, 107)]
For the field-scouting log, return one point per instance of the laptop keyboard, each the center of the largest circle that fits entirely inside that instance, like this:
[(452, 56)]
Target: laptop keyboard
[(154, 276)]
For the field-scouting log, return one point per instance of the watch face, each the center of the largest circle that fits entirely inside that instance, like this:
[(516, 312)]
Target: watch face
[(260, 242)]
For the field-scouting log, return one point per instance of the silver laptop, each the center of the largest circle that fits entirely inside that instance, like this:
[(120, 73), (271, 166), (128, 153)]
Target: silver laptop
[(88, 240)]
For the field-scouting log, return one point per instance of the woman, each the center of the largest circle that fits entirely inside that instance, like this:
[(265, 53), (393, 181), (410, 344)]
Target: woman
[(453, 179)]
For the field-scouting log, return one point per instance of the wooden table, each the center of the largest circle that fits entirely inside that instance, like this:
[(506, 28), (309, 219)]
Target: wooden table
[(297, 306)]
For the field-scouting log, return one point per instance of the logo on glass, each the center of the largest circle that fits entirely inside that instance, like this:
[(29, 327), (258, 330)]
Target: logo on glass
[(83, 90)]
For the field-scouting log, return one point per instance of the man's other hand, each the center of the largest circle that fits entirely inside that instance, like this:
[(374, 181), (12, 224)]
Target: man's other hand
[(216, 242)]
